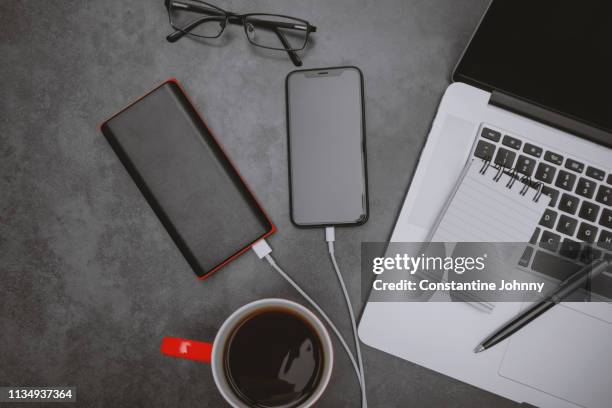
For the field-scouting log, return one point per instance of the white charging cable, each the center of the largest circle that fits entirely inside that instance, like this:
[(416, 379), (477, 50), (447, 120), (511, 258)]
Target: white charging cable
[(263, 251), (330, 237)]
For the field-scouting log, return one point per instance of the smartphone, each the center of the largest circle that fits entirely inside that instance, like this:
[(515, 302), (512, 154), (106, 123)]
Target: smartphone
[(326, 141)]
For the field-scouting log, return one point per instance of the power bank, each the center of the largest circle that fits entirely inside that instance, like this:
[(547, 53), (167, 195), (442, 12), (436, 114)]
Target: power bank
[(187, 179)]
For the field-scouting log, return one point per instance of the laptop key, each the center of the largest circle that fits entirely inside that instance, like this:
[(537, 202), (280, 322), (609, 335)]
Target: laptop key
[(548, 218), (604, 195), (490, 134), (595, 173), (532, 150), (553, 157), (606, 218), (553, 265), (609, 179), (505, 158), (525, 165), (570, 248), (565, 180), (605, 239), (589, 254), (567, 225), (511, 142), (545, 173), (587, 232), (534, 237), (585, 188), (484, 150), (550, 241), (588, 211), (552, 193), (568, 203), (574, 165), (526, 257)]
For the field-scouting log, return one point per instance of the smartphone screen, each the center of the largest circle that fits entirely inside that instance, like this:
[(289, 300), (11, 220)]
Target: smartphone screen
[(327, 161)]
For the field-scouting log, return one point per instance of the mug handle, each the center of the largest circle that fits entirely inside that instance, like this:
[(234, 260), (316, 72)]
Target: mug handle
[(188, 349)]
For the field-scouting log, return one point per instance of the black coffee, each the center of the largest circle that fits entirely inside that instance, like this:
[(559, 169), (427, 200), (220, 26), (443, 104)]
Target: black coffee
[(274, 359)]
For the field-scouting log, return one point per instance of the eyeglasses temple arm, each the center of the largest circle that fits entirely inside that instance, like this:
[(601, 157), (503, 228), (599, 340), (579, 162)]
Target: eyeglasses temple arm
[(178, 34), (195, 8), (292, 54), (276, 24), (175, 36)]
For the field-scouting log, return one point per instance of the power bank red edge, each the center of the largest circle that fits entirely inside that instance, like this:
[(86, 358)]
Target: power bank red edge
[(231, 163)]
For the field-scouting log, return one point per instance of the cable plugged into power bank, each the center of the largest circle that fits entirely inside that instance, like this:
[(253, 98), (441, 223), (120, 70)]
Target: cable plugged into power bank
[(264, 251), (261, 248)]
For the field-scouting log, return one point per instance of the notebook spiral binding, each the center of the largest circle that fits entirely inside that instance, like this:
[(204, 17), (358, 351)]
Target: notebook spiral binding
[(527, 181)]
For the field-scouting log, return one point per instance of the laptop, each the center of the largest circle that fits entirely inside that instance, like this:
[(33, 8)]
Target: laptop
[(532, 91)]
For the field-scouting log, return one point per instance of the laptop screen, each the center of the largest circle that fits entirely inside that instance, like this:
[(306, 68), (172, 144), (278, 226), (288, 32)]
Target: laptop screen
[(557, 54)]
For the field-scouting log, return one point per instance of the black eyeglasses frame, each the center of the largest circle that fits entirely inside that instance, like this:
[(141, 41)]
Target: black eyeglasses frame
[(227, 17)]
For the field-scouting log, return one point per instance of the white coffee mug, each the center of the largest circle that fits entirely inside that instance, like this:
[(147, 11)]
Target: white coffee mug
[(215, 353)]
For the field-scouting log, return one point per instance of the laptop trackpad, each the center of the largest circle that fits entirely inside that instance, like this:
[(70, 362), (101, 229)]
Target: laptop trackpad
[(564, 353)]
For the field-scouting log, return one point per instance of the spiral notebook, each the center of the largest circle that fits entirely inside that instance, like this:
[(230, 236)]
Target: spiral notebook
[(490, 204)]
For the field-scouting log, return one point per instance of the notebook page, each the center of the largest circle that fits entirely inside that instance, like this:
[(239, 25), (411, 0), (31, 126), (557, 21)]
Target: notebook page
[(483, 210)]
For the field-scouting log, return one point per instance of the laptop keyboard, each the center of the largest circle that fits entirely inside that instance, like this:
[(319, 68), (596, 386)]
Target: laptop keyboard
[(576, 228)]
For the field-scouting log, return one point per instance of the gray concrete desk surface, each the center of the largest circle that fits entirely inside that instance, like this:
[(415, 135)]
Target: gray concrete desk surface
[(90, 281)]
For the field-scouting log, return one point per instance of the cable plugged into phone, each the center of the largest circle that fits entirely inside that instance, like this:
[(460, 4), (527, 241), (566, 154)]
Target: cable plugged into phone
[(264, 251), (330, 237)]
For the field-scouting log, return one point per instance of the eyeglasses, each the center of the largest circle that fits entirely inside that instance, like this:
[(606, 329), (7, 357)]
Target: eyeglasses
[(271, 31)]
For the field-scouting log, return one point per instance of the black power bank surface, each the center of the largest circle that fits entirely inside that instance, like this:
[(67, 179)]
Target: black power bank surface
[(186, 178)]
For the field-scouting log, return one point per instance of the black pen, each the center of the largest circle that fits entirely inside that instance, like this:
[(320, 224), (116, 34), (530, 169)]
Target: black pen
[(566, 287)]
